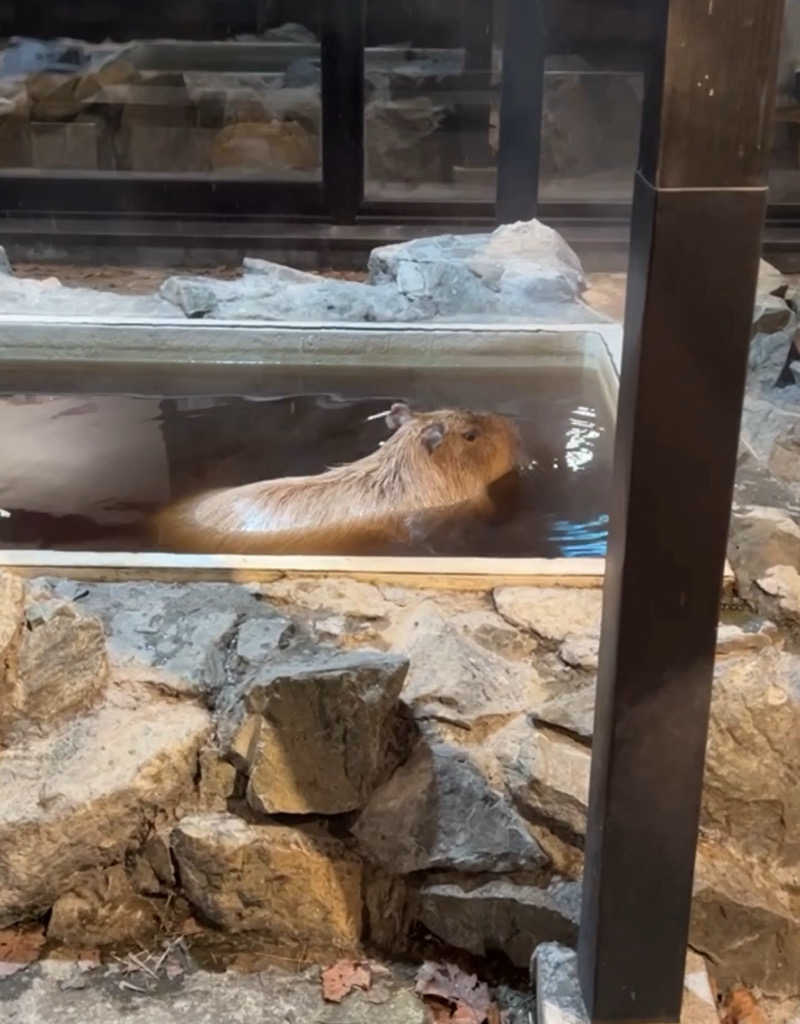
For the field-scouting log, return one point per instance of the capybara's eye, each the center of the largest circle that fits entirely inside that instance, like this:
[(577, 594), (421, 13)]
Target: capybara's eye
[(470, 435)]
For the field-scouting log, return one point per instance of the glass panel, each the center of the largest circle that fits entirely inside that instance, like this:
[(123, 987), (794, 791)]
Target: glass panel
[(433, 112), (432, 87), (785, 174), (591, 120), (183, 93)]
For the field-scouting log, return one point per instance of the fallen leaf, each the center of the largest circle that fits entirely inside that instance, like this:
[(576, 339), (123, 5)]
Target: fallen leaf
[(190, 927), (742, 1008), (341, 978), (467, 999), (19, 948)]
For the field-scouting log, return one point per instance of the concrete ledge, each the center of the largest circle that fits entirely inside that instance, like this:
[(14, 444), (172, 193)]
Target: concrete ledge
[(554, 973)]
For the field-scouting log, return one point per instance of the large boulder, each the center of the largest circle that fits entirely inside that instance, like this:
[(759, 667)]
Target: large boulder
[(439, 812), (295, 885), (523, 269), (87, 794), (318, 738)]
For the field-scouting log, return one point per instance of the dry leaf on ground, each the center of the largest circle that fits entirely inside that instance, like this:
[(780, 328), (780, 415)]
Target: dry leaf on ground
[(742, 1008), (466, 1000), (18, 948), (341, 978)]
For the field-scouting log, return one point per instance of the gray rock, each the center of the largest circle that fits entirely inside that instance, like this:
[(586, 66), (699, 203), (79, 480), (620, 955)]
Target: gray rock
[(554, 970), (290, 32), (523, 269), (48, 297), (182, 637), (5, 262), (500, 915), (438, 811), (319, 737), (44, 994), (294, 885)]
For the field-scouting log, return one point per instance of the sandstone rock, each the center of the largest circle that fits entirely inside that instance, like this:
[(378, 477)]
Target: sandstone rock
[(456, 680), (761, 538), (784, 460), (770, 279), (438, 811), (113, 72), (53, 96), (217, 781), (102, 909), (291, 884), (263, 146), (571, 709), (332, 595), (580, 651), (321, 740), (83, 796), (554, 613), (733, 639), (783, 582), (491, 631), (60, 666), (546, 773), (502, 916), (12, 598), (750, 797), (744, 923)]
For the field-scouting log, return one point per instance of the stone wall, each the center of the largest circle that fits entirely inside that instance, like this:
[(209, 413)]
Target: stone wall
[(330, 763)]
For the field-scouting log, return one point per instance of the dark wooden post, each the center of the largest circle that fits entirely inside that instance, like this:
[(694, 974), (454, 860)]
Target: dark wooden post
[(476, 28), (699, 205), (524, 52), (343, 38)]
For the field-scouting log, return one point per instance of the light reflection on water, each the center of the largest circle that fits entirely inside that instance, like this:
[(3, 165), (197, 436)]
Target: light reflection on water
[(581, 540), (582, 432)]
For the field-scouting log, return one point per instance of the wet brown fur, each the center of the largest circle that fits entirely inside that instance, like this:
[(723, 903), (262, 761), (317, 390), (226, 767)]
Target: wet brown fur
[(434, 465)]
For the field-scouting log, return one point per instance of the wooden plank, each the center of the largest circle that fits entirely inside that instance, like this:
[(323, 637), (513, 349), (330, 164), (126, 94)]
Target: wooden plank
[(432, 573)]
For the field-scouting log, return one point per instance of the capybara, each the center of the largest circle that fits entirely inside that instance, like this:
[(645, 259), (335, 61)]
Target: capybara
[(434, 465)]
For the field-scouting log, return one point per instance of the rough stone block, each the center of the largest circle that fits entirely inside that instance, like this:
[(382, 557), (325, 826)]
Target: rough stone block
[(291, 884)]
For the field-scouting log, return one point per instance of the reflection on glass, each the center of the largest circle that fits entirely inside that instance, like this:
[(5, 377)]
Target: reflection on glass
[(245, 104), (785, 172), (433, 111)]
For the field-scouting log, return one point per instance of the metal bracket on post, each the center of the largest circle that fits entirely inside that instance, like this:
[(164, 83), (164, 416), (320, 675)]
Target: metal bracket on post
[(698, 212)]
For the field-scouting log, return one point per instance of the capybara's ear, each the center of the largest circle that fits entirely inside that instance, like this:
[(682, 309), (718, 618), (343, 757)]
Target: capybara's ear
[(433, 435), (398, 415)]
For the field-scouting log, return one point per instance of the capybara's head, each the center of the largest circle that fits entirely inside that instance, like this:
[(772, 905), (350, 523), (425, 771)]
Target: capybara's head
[(478, 447)]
